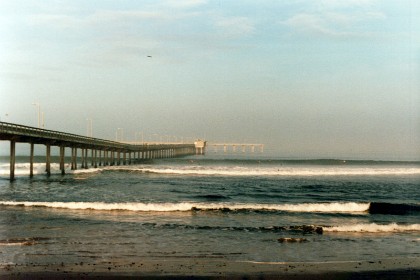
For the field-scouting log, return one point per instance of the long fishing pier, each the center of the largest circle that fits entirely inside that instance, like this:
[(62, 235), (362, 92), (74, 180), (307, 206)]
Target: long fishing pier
[(102, 152)]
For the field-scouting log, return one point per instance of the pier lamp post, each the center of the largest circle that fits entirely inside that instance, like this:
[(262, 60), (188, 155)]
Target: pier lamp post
[(89, 129), (135, 137), (157, 137), (120, 132), (5, 117), (43, 120), (39, 113), (116, 134)]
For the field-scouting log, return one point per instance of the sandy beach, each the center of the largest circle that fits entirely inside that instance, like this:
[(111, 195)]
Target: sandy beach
[(407, 268)]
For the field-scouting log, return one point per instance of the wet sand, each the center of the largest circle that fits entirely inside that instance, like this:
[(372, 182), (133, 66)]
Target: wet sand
[(406, 268)]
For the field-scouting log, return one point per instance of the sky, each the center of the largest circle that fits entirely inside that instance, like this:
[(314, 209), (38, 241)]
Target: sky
[(309, 79)]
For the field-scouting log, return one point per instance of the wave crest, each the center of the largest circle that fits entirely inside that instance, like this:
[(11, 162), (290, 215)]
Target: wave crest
[(373, 228), (335, 207), (280, 171)]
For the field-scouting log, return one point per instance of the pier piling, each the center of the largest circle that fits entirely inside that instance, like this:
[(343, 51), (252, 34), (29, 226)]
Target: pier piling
[(31, 160), (12, 159), (48, 160), (62, 152)]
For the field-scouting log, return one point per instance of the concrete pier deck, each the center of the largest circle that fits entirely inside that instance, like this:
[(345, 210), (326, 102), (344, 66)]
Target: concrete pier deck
[(102, 152)]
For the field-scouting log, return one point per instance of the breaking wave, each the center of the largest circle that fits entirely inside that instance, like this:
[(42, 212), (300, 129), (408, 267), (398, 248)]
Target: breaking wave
[(335, 207), (373, 228), (278, 170), (373, 208), (22, 169)]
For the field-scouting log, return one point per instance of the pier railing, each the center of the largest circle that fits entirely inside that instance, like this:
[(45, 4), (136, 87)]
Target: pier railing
[(22, 133), (109, 151)]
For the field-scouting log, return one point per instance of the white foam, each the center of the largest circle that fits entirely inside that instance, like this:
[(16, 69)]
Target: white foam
[(134, 206), (373, 228), (333, 207), (23, 243), (349, 207), (278, 171), (22, 169)]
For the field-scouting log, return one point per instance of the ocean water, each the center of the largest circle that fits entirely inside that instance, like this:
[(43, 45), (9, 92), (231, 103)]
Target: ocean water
[(262, 210)]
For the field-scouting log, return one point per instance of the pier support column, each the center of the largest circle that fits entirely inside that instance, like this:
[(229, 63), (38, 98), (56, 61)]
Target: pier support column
[(62, 151), (48, 160), (31, 161), (12, 159), (95, 159), (83, 158), (86, 159), (73, 158), (92, 157)]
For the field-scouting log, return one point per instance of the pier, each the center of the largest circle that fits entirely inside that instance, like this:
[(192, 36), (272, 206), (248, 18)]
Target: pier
[(234, 147), (102, 152)]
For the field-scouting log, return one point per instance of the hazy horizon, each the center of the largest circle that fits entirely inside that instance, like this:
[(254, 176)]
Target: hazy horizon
[(308, 79)]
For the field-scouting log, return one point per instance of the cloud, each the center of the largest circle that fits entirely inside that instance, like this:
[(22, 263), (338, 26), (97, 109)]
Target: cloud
[(340, 4), (336, 19), (235, 26), (184, 4), (60, 21), (308, 23), (99, 17), (167, 29)]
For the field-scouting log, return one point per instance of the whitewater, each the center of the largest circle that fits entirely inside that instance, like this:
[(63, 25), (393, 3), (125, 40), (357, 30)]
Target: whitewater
[(22, 169), (227, 208)]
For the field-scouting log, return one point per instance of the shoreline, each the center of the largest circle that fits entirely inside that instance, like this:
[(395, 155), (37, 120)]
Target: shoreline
[(396, 268)]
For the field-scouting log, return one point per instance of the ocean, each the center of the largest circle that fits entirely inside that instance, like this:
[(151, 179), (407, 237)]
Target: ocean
[(212, 207)]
